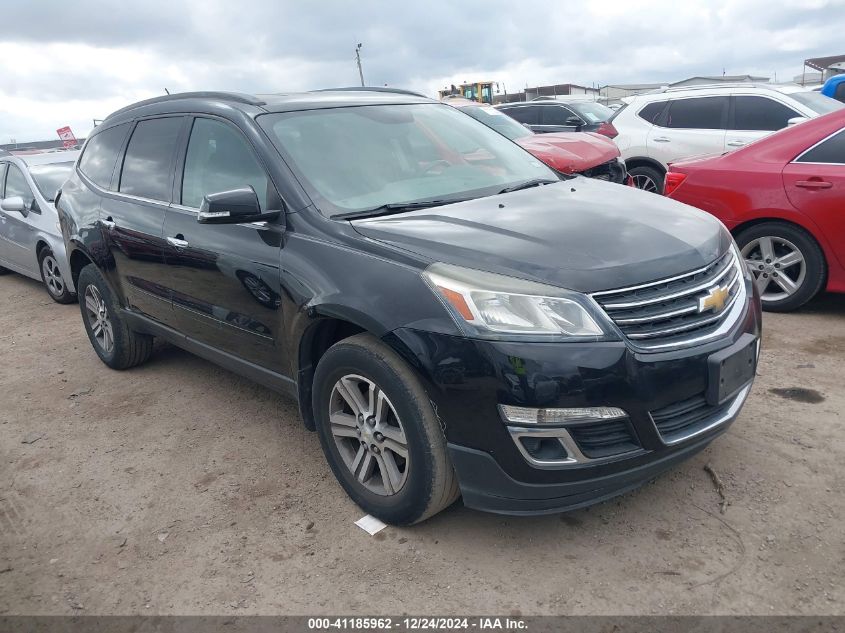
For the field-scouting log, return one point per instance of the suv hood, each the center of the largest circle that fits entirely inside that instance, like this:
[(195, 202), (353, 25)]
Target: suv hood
[(580, 234), (570, 152)]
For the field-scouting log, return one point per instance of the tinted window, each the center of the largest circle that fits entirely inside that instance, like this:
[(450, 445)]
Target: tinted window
[(652, 111), (100, 154), (50, 177), (830, 151), (557, 115), (704, 113), (524, 114), (148, 166), (839, 94), (591, 112), (220, 159), (760, 113), (16, 185)]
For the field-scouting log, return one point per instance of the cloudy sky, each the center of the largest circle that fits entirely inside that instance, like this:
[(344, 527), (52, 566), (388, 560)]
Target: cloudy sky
[(68, 62)]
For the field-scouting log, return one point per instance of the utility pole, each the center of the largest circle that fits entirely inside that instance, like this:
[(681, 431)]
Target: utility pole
[(358, 57)]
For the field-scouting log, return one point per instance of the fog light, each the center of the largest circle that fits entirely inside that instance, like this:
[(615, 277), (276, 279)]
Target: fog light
[(545, 449), (525, 415)]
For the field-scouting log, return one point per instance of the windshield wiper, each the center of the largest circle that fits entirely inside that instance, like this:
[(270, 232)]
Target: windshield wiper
[(395, 207), (535, 182)]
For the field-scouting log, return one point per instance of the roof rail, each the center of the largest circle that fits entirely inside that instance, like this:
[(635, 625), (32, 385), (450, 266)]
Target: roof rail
[(237, 97), (720, 84), (399, 91)]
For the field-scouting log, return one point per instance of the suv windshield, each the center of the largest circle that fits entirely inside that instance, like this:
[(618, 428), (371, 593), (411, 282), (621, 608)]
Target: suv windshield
[(499, 121), (817, 102), (590, 111), (354, 159), (49, 177)]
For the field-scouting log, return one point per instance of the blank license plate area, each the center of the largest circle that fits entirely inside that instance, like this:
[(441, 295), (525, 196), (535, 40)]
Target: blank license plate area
[(730, 370)]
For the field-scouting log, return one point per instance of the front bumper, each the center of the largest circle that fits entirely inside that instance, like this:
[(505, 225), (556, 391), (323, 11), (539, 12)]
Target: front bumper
[(469, 378)]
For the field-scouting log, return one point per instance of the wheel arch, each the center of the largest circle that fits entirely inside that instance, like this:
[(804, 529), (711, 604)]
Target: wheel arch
[(644, 161), (78, 260)]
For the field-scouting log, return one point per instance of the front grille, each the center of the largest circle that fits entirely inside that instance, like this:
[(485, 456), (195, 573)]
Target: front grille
[(669, 311), (685, 418), (603, 439), (612, 171)]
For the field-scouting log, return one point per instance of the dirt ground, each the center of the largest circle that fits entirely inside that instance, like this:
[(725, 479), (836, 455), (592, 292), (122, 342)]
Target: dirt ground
[(180, 488)]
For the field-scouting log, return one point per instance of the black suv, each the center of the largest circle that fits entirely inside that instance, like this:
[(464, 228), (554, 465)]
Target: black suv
[(452, 317)]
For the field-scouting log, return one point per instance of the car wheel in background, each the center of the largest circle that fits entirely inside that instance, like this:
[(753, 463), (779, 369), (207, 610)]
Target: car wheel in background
[(380, 434), (647, 179), (52, 278), (787, 263), (116, 344)]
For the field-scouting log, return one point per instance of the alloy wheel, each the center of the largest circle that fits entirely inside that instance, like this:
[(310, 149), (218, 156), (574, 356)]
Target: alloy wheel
[(369, 435), (98, 319), (52, 276), (641, 181), (778, 266)]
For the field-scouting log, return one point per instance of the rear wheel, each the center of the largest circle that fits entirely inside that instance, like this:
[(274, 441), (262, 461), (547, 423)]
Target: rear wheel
[(380, 434), (788, 265), (116, 344), (647, 179), (51, 275)]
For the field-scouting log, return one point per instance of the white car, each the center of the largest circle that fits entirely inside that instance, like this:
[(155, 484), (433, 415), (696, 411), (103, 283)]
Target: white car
[(676, 123), (30, 238)]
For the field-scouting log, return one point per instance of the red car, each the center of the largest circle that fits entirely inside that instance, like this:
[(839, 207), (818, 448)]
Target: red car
[(783, 198), (585, 153)]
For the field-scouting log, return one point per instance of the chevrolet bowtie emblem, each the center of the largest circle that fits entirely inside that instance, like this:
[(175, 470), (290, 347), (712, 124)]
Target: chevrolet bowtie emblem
[(714, 300)]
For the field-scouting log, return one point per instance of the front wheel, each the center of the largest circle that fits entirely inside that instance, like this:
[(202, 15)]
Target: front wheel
[(787, 263), (116, 344), (380, 433), (51, 275)]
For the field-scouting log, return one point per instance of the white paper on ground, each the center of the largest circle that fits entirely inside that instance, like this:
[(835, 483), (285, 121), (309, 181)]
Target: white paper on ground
[(370, 524)]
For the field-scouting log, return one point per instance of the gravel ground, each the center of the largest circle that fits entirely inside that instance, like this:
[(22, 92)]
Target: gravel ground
[(180, 488)]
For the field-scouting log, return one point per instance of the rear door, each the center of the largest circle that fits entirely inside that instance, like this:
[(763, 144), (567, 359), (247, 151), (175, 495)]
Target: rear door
[(224, 279), (133, 218), (17, 228), (526, 114), (753, 117), (558, 118), (815, 184), (690, 126)]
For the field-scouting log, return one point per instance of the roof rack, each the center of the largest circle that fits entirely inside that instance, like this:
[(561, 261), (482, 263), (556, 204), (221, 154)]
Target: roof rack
[(237, 97), (720, 84), (400, 91)]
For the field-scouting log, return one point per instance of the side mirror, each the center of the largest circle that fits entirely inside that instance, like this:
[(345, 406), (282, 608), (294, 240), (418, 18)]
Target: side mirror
[(13, 203), (796, 120), (233, 207), (574, 121)]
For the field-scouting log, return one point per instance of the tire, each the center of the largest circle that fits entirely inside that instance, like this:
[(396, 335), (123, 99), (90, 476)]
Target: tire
[(644, 175), (427, 482), (128, 348), (4, 271), (807, 276), (52, 278)]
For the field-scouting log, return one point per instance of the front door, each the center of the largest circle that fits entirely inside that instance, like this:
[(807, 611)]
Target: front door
[(132, 219), (224, 279), (815, 184), (753, 117)]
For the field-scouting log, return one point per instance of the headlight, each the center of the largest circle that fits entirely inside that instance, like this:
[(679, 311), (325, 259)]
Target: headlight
[(495, 306)]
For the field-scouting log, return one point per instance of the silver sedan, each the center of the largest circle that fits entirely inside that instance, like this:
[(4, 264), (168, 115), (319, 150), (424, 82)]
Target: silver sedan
[(30, 237)]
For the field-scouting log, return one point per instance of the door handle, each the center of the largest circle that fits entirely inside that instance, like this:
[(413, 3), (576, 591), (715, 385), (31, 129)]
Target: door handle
[(108, 223), (178, 242), (736, 143), (813, 184), (662, 139)]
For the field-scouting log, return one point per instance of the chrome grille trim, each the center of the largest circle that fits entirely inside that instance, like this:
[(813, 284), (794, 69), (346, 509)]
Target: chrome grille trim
[(666, 313)]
